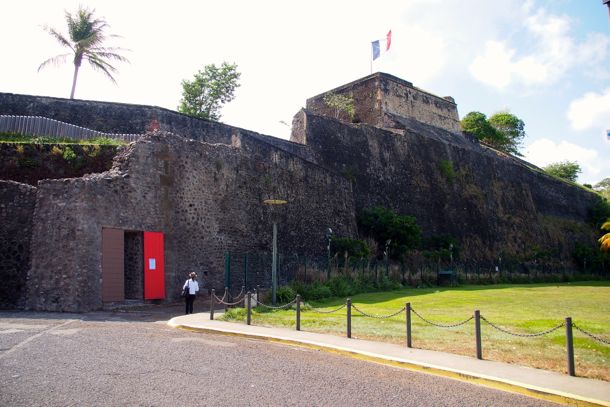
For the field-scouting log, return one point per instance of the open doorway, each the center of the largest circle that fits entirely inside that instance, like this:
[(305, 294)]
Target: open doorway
[(134, 265)]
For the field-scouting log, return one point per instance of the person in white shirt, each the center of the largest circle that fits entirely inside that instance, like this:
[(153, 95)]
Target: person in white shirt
[(191, 287)]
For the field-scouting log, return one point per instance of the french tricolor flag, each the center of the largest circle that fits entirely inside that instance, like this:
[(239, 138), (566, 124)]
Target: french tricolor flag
[(376, 49)]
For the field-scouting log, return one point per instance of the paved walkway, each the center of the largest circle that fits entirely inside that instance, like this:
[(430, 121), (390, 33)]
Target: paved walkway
[(537, 383)]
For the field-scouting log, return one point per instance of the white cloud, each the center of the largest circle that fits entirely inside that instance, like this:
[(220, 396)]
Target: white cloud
[(494, 66), (553, 53), (590, 111), (543, 152)]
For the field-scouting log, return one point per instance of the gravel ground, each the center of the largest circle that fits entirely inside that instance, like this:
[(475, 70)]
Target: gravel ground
[(135, 359)]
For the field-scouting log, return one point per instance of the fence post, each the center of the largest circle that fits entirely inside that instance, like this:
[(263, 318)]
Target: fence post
[(212, 304), (243, 290), (477, 333), (228, 269), (570, 347), (408, 308), (249, 306), (298, 312), (246, 269), (226, 298), (349, 317)]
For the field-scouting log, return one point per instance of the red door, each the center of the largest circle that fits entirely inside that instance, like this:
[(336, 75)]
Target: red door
[(154, 266)]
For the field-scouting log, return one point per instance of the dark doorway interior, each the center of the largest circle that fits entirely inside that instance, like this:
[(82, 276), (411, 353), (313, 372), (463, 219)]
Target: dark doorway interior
[(134, 265)]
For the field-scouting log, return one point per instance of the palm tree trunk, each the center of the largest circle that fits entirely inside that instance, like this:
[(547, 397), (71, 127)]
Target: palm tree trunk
[(74, 80)]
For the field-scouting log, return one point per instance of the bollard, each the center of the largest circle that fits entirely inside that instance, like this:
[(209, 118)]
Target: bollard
[(298, 312), (349, 317), (212, 304), (249, 307), (570, 347), (408, 308), (226, 298), (477, 333)]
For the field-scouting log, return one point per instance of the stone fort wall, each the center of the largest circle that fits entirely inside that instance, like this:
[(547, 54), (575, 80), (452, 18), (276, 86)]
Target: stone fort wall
[(492, 203), (16, 211), (206, 198), (135, 119), (379, 97), (205, 191)]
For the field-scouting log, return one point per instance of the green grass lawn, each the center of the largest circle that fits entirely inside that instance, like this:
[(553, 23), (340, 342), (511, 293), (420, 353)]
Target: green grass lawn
[(522, 309)]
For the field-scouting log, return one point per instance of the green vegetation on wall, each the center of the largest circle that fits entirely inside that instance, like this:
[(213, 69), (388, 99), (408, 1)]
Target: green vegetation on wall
[(10, 137), (447, 170)]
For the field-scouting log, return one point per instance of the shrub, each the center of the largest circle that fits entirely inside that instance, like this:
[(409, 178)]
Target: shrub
[(56, 151), (69, 154), (285, 294), (353, 247), (446, 169), (384, 225), (341, 287)]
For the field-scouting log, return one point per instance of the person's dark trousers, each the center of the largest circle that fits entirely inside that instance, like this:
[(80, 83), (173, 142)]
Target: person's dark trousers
[(190, 299)]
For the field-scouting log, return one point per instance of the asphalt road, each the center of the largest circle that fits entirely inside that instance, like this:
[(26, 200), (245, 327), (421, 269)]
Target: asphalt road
[(135, 359)]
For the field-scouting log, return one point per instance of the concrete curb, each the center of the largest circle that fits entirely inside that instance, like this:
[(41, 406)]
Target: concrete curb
[(483, 380)]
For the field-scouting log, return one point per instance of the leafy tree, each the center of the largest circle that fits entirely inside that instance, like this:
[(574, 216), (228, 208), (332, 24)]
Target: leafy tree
[(340, 103), (503, 131), (567, 170), (603, 187), (353, 247), (210, 88), (385, 225), (85, 39), (599, 211)]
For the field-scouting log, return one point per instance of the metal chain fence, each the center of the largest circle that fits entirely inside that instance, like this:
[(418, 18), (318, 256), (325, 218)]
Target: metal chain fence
[(320, 311), (441, 325), (590, 335), (221, 301), (285, 306), (568, 324), (400, 311), (548, 331)]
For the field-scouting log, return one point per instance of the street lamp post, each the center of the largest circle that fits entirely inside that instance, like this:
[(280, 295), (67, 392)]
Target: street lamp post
[(329, 236), (274, 250), (387, 254)]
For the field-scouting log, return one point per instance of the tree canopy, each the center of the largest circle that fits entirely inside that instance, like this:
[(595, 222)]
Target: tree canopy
[(503, 131), (567, 170), (86, 37), (340, 103), (603, 187), (385, 226), (604, 241), (210, 88)]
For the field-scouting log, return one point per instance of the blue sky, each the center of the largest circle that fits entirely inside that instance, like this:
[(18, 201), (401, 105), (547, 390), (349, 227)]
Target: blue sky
[(546, 61)]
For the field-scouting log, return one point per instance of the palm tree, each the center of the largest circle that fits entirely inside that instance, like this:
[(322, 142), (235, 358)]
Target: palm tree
[(86, 38), (604, 241)]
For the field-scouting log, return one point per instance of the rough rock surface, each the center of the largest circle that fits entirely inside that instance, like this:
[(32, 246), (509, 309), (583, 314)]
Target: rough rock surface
[(491, 202), (206, 198), (16, 209)]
